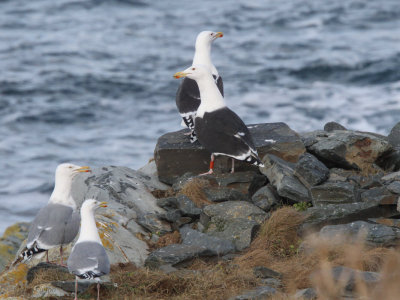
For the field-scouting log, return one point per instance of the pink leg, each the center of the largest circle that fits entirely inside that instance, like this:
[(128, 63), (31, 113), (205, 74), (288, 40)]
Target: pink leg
[(98, 291), (76, 288), (61, 257), (233, 166), (211, 166), (47, 256)]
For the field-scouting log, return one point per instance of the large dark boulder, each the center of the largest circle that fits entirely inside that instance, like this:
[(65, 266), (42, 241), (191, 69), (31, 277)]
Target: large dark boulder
[(175, 155)]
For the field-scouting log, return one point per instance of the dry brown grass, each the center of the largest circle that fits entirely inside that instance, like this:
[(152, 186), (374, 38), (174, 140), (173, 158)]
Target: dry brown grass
[(210, 281), (168, 239), (194, 190), (164, 193)]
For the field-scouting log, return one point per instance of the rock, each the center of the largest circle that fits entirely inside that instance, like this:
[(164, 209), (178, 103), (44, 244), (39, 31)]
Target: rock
[(175, 155), (263, 272), (310, 170), (32, 272), (348, 278), (373, 234), (280, 173), (216, 246), (266, 198), (349, 149), (235, 209), (174, 254), (10, 242), (259, 293), (390, 161), (172, 216), (187, 207), (380, 195), (394, 187), (394, 136), (130, 202), (215, 194), (69, 286), (391, 177), (334, 193), (239, 231), (272, 282), (153, 223), (46, 290), (331, 126), (306, 294), (386, 221), (319, 216)]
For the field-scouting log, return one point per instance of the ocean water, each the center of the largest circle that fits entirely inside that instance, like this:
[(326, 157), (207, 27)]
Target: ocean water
[(90, 82)]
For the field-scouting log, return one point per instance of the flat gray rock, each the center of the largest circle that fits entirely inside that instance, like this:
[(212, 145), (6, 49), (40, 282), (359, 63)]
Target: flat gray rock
[(373, 234), (175, 155), (221, 194), (174, 254), (394, 136), (259, 293), (334, 193), (215, 245), (264, 272)]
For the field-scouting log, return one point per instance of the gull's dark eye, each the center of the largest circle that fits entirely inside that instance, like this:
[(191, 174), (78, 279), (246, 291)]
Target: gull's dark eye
[(70, 167), (193, 69), (211, 33)]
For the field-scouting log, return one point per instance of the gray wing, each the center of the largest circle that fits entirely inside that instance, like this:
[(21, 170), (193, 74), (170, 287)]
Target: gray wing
[(54, 225), (88, 257)]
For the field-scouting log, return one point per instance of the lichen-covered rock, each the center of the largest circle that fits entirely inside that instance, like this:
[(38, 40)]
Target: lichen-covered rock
[(175, 155), (373, 234), (280, 173), (235, 209), (10, 242), (239, 231), (349, 149), (266, 198), (46, 290), (221, 194), (334, 193), (310, 170), (264, 272)]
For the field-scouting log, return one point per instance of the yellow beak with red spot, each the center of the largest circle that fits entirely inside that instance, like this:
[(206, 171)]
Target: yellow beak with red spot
[(219, 34), (83, 169), (180, 75), (103, 204)]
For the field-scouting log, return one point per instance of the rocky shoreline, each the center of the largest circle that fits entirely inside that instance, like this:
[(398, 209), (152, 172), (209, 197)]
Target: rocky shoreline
[(345, 184)]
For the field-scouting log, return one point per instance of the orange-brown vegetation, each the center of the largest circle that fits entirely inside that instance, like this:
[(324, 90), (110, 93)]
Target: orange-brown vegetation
[(194, 190)]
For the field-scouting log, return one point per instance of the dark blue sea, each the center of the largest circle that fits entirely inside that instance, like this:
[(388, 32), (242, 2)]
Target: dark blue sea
[(90, 82)]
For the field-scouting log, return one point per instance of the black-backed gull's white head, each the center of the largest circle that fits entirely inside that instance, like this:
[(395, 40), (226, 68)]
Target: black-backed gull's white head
[(207, 37), (195, 72)]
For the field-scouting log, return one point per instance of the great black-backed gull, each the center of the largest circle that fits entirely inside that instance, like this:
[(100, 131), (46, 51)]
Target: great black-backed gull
[(188, 95), (88, 258), (218, 128), (57, 223)]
